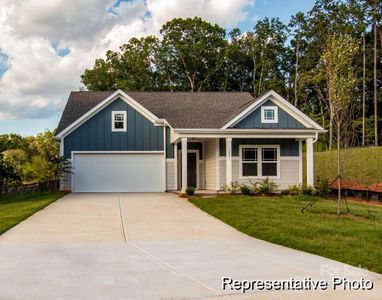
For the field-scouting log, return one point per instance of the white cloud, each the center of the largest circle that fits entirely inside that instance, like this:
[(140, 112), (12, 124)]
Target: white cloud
[(38, 81), (225, 13)]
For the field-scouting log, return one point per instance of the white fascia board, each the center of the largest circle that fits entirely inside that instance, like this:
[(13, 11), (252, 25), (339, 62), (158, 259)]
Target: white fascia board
[(117, 94), (241, 130), (281, 134), (284, 104)]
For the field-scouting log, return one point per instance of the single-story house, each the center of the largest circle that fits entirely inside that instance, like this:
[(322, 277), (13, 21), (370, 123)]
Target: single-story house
[(162, 141)]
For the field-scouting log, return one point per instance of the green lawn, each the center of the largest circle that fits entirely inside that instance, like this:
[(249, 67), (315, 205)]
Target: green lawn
[(16, 209), (354, 240), (360, 165)]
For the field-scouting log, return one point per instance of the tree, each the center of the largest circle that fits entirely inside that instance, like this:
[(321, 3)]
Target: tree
[(297, 22), (338, 62), (133, 68), (196, 48), (17, 158), (45, 157), (375, 30), (8, 174)]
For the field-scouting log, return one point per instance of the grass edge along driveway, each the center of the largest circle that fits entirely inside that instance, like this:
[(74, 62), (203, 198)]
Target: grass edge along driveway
[(355, 240), (14, 210)]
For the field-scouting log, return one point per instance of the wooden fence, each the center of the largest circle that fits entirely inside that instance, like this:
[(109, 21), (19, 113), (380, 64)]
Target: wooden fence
[(29, 189)]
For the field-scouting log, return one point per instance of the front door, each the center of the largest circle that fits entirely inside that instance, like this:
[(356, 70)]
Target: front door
[(191, 170)]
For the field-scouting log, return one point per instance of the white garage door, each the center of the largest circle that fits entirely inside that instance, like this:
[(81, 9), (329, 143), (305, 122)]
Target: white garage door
[(143, 172)]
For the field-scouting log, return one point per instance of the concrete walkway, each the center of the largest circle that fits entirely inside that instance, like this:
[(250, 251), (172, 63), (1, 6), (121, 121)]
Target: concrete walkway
[(149, 246)]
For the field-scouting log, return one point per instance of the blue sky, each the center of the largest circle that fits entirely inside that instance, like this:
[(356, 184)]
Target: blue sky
[(39, 83)]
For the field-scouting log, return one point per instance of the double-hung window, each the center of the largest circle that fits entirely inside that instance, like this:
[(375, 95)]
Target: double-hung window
[(249, 161), (259, 161), (118, 121), (268, 162)]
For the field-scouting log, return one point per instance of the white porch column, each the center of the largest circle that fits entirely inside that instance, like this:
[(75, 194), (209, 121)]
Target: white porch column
[(309, 162), (228, 160), (176, 165), (184, 164)]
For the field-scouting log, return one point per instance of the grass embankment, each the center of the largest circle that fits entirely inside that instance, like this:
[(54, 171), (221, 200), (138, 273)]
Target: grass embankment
[(13, 210), (355, 240), (360, 165)]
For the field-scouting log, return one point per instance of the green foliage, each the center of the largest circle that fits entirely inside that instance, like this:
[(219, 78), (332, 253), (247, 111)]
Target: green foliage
[(266, 186), (130, 69), (245, 189), (17, 158), (299, 61), (232, 188), (294, 190), (322, 187), (360, 165), (196, 48), (308, 190), (190, 191), (33, 158), (8, 174)]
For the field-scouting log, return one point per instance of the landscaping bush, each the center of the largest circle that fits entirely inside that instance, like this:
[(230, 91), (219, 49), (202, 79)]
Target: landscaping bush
[(232, 188), (284, 192), (308, 190), (322, 187), (266, 186), (190, 191), (245, 189), (294, 190)]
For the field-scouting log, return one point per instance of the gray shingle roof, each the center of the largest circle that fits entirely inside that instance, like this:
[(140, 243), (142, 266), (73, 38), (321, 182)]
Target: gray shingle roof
[(180, 109)]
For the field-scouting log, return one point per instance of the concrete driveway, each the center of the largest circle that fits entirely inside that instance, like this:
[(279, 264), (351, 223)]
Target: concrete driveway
[(149, 246)]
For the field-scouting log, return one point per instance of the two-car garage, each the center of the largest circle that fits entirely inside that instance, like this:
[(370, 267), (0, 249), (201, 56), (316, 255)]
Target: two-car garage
[(118, 172)]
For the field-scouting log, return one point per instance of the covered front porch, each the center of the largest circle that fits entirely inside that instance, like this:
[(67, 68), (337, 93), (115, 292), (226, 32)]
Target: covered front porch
[(209, 162)]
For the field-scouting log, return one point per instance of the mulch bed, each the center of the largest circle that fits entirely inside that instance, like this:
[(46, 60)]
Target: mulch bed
[(351, 185)]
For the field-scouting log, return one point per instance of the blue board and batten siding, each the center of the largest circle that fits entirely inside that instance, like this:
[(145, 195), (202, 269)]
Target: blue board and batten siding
[(96, 134), (169, 146), (253, 120)]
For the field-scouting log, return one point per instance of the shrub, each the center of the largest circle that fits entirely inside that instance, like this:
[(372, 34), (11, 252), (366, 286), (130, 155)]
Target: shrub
[(253, 187), (245, 189), (190, 191), (308, 190), (266, 186), (294, 189), (284, 192), (322, 187), (232, 188)]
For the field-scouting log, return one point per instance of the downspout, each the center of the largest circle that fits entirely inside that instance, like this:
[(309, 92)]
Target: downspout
[(316, 138)]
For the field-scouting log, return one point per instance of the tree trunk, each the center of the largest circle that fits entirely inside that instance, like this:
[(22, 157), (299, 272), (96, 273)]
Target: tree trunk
[(330, 130), (375, 84), (338, 167), (296, 70), (363, 89), (254, 74)]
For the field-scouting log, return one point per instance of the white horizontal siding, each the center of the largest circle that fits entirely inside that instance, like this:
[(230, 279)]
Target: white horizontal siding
[(201, 174), (170, 175), (210, 164), (66, 182), (289, 173), (222, 172)]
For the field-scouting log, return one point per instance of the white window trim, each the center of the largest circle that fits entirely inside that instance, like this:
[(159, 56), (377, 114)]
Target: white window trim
[(276, 113), (113, 113), (259, 161)]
